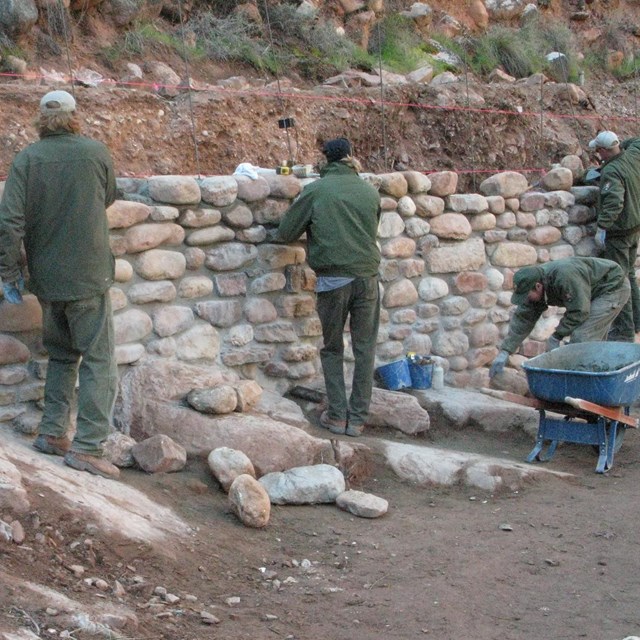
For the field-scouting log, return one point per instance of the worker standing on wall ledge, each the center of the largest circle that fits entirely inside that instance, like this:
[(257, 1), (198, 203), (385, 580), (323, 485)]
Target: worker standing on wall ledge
[(618, 210), (340, 215), (55, 199), (592, 290)]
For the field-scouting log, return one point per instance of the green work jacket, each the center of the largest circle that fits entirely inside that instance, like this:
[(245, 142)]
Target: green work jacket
[(619, 197), (571, 283), (54, 200), (340, 215)]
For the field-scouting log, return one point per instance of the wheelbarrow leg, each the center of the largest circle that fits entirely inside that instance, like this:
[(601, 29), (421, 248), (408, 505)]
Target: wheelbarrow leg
[(605, 455), (615, 435), (546, 433), (536, 453)]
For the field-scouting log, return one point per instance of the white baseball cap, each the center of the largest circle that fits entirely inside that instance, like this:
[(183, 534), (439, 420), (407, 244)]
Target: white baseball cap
[(604, 140), (57, 102)]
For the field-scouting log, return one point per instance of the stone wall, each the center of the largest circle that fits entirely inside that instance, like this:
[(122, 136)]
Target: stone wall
[(198, 280)]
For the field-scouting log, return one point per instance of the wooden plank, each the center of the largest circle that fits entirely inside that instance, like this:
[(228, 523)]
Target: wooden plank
[(576, 407), (511, 397), (534, 403), (613, 413)]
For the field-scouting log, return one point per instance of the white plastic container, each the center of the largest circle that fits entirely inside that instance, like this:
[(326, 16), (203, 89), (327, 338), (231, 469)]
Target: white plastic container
[(438, 378)]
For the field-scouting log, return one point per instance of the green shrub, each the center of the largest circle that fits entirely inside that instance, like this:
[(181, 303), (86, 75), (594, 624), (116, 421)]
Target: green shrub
[(318, 48), (145, 38), (398, 43), (615, 36), (630, 68), (520, 52), (8, 48), (232, 38), (512, 51)]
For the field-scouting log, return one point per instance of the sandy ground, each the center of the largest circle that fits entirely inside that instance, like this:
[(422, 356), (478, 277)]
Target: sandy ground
[(556, 559)]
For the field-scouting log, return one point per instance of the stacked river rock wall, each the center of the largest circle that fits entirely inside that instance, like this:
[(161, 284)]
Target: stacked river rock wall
[(199, 280)]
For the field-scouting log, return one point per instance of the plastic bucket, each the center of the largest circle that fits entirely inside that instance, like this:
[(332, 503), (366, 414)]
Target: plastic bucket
[(395, 375), (421, 375)]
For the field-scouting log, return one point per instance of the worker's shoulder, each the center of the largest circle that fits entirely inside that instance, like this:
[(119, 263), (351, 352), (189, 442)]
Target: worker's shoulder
[(91, 144), (626, 162), (356, 182), (631, 143)]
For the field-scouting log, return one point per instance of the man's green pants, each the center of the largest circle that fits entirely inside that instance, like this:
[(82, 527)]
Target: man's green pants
[(623, 250), (78, 336), (604, 310), (360, 301)]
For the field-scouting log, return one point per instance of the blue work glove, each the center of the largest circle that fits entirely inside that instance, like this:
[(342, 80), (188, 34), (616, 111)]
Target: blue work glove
[(13, 290), (553, 343), (600, 237), (498, 364)]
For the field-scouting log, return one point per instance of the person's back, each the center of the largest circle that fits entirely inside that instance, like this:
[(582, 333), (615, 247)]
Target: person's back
[(619, 201), (55, 201), (343, 223), (340, 214), (68, 184), (584, 277)]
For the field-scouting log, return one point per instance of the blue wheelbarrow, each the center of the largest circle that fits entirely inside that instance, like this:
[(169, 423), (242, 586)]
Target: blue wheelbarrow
[(591, 384)]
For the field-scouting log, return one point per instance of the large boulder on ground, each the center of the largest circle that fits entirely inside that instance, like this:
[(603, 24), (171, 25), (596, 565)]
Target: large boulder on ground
[(152, 401), (459, 409), (398, 411), (429, 466), (249, 501), (17, 17), (159, 454), (270, 445), (304, 485), (227, 464)]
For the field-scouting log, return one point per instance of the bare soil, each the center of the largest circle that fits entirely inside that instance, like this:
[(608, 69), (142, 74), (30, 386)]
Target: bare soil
[(555, 559), (211, 132)]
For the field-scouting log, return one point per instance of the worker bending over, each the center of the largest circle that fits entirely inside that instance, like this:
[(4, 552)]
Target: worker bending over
[(592, 290)]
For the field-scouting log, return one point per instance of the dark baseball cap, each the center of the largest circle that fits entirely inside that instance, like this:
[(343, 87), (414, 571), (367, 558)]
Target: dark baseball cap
[(523, 281), (336, 149)]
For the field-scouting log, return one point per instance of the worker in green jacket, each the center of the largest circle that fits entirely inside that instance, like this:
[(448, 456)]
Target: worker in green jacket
[(618, 223), (55, 201), (593, 291), (339, 214)]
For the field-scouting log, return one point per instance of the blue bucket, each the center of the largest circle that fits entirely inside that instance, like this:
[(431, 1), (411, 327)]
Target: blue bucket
[(395, 375), (421, 375)]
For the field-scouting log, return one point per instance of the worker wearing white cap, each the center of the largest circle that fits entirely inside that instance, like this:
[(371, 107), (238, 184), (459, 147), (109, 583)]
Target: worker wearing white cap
[(55, 201), (618, 211)]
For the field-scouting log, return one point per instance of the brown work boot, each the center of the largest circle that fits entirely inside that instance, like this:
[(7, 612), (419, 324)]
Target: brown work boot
[(92, 464), (355, 430), (52, 445), (335, 426)]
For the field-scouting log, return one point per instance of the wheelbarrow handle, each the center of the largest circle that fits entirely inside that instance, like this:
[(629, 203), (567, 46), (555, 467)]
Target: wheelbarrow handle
[(613, 413)]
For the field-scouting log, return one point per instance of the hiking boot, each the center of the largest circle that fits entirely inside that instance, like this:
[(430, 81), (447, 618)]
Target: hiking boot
[(92, 464), (355, 430), (335, 426), (52, 445)]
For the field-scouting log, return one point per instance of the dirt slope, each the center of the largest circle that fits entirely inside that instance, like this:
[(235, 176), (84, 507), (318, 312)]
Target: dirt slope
[(550, 560), (428, 129), (211, 132), (438, 565)]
